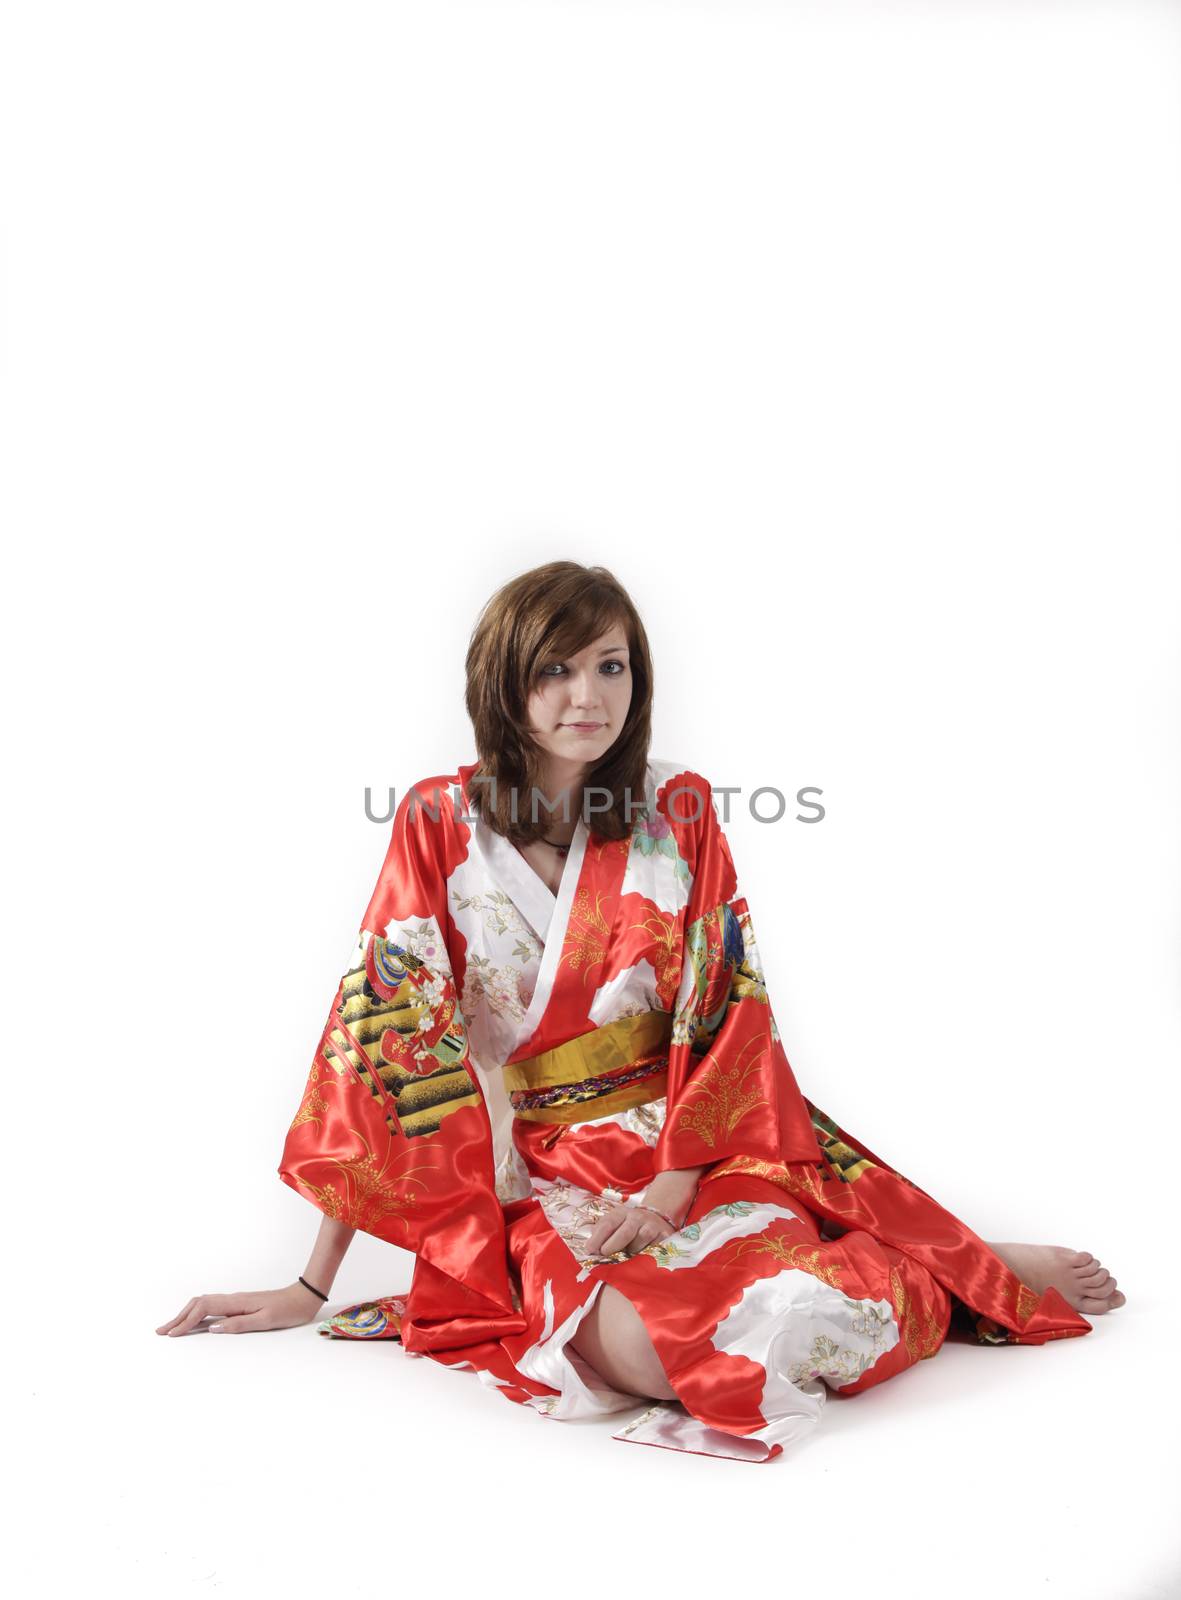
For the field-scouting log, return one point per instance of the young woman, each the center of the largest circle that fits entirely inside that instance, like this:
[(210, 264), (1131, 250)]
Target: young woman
[(552, 1072)]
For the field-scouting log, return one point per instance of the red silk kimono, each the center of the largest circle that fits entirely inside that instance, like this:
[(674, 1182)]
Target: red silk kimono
[(501, 1064)]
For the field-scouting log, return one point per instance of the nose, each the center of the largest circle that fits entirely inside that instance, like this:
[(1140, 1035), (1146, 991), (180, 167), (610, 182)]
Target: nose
[(584, 696)]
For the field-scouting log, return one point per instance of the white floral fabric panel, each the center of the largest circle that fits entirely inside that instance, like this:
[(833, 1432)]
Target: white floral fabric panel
[(644, 1121), (627, 994), (514, 1181), (503, 958), (800, 1328), (655, 867), (671, 1427)]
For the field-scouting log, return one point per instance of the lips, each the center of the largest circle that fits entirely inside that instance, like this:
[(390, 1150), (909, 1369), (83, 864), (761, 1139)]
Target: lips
[(583, 727)]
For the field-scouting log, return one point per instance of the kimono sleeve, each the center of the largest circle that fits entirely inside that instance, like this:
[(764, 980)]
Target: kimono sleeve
[(392, 1134), (731, 1090)]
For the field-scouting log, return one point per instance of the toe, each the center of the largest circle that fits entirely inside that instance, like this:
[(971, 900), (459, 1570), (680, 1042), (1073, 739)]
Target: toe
[(1118, 1299), (1093, 1308), (1079, 1258), (1091, 1281)]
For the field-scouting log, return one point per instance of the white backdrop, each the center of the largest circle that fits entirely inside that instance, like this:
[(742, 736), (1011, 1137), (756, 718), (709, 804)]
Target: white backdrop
[(847, 336)]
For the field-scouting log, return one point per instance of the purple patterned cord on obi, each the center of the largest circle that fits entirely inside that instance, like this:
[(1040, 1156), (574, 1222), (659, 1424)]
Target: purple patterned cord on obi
[(566, 1094)]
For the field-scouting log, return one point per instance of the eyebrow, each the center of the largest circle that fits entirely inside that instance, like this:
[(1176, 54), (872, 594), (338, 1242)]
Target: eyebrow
[(612, 649)]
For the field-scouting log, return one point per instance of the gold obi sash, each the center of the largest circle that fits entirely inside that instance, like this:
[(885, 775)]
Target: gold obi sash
[(609, 1069)]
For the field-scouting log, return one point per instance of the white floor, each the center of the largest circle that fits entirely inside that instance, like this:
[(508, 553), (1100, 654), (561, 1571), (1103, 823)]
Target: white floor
[(287, 1461)]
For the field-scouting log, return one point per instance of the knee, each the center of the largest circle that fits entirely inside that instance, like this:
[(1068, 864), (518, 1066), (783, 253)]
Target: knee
[(613, 1338)]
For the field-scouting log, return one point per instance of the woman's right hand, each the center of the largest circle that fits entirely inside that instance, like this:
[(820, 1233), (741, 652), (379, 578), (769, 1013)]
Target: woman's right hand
[(246, 1313)]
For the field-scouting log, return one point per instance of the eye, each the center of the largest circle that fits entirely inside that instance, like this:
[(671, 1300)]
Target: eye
[(611, 669)]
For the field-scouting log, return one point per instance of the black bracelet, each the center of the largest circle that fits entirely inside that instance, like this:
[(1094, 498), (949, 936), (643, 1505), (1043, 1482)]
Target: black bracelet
[(307, 1285)]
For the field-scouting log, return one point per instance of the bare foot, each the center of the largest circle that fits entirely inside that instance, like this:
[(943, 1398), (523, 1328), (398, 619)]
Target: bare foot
[(1077, 1276)]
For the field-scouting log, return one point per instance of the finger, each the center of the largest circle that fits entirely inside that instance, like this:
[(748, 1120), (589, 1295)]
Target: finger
[(619, 1236), (172, 1322), (604, 1227), (626, 1228), (248, 1322), (186, 1323), (205, 1305), (649, 1234)]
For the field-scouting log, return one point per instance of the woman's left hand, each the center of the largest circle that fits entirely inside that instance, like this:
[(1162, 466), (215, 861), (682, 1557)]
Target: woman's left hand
[(626, 1228)]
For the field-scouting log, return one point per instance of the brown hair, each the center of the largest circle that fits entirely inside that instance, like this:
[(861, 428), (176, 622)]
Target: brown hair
[(551, 612)]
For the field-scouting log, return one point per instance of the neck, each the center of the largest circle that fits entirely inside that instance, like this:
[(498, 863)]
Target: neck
[(561, 781)]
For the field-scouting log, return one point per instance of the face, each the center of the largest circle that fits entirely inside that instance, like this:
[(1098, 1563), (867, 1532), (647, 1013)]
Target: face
[(578, 707)]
